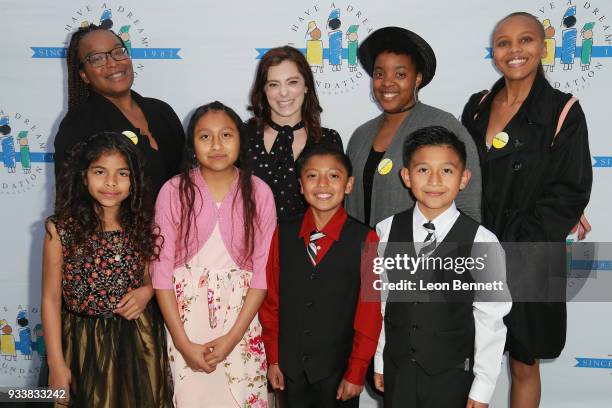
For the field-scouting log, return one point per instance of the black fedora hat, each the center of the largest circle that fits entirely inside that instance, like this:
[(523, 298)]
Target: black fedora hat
[(398, 40)]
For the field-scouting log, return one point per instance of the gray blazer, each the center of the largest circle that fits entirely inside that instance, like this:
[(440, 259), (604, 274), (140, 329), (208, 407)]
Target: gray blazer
[(389, 195)]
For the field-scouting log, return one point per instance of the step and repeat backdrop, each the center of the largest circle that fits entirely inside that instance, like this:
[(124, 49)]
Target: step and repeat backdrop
[(191, 52)]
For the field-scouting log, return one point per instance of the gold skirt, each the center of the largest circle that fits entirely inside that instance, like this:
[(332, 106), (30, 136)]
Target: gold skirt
[(117, 362)]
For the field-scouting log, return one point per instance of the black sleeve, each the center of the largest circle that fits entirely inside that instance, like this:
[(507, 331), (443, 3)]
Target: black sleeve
[(469, 110), (566, 188), (176, 140), (334, 138)]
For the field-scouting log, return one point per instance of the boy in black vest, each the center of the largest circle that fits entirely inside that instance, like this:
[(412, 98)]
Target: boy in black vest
[(318, 333), (439, 354)]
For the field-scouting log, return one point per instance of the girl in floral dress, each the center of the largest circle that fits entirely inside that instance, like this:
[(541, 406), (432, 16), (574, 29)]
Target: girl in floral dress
[(217, 222), (104, 339)]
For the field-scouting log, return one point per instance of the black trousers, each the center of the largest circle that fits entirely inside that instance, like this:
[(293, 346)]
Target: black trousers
[(408, 385), (300, 393)]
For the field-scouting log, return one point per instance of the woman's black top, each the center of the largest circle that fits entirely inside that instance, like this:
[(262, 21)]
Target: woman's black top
[(368, 179), (99, 114), (277, 167)]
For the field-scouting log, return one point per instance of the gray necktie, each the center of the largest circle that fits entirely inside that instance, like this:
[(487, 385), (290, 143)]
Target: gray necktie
[(429, 245)]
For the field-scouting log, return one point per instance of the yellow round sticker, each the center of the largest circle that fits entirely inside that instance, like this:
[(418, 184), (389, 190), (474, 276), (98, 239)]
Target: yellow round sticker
[(500, 140), (130, 135), (385, 166)]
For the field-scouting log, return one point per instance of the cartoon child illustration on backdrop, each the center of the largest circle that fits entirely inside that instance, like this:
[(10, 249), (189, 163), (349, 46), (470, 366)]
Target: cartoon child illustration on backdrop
[(5, 129), (25, 335), (587, 46), (7, 341), (352, 45), (124, 34), (568, 36), (335, 40), (39, 344), (314, 48), (106, 19), (8, 146), (548, 62), (24, 152)]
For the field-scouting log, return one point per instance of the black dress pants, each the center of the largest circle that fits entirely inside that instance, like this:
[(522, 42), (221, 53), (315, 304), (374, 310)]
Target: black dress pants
[(408, 385), (300, 393)]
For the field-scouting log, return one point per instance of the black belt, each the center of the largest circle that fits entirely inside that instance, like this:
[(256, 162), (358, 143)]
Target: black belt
[(102, 315)]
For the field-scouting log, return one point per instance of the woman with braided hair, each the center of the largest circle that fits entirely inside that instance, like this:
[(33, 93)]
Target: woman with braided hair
[(100, 98)]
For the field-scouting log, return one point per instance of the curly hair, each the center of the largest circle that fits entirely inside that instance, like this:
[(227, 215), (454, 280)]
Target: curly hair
[(311, 108), (78, 91), (187, 188), (78, 212)]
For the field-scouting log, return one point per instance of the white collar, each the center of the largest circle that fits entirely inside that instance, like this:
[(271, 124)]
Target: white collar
[(441, 222)]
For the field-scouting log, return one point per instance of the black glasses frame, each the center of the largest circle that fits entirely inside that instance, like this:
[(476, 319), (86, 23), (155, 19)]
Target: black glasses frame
[(106, 55)]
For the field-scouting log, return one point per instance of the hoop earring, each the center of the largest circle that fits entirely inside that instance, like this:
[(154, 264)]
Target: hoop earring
[(372, 98)]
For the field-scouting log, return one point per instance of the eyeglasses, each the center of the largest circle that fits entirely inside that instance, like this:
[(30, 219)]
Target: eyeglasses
[(99, 59)]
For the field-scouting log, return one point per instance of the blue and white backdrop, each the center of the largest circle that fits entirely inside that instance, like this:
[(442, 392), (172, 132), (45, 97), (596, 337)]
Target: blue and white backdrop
[(191, 52)]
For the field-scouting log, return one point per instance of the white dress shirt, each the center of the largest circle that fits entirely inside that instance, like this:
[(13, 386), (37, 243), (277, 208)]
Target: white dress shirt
[(490, 330)]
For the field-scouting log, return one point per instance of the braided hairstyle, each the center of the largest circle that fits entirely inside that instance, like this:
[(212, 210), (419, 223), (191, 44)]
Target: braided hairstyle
[(78, 91)]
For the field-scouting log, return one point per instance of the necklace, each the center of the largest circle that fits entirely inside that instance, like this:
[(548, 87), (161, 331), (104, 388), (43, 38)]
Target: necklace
[(406, 109)]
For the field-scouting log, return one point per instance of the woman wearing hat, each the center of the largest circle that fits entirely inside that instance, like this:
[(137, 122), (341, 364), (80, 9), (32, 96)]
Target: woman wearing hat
[(537, 175), (400, 63)]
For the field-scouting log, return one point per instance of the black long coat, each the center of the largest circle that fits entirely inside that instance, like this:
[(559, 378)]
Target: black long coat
[(535, 189), (531, 191)]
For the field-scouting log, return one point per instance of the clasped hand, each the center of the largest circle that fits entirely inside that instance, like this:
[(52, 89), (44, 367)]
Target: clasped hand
[(205, 357)]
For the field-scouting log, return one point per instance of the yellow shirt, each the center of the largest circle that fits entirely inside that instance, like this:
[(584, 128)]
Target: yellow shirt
[(314, 52), (550, 51), (7, 345)]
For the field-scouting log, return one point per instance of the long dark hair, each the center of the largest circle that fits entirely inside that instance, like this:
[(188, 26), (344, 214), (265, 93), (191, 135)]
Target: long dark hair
[(78, 212), (78, 91), (188, 189), (531, 17), (311, 108)]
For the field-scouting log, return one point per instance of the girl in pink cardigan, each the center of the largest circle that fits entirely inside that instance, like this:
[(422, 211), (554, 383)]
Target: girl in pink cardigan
[(217, 222)]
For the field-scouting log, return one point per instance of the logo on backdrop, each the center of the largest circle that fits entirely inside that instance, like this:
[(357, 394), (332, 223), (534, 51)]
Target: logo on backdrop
[(124, 22), (24, 153), (589, 362), (602, 161), (578, 42), (21, 342), (329, 35)]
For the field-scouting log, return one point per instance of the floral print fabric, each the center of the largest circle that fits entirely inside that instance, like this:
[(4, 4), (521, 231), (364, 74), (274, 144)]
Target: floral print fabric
[(100, 272), (209, 301)]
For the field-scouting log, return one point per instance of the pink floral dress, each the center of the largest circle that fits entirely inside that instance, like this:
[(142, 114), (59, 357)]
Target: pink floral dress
[(210, 290)]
